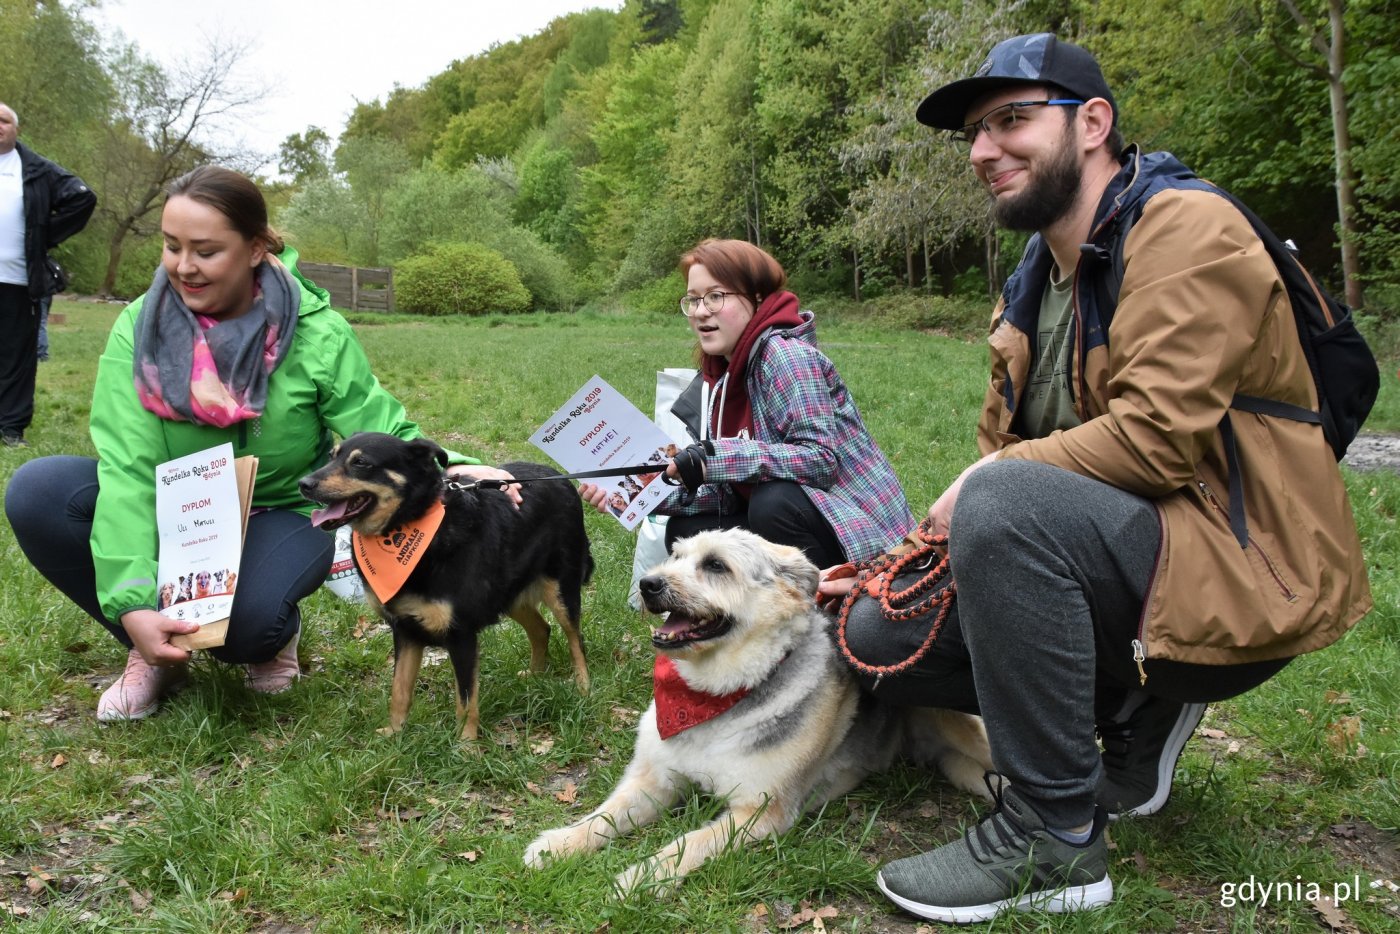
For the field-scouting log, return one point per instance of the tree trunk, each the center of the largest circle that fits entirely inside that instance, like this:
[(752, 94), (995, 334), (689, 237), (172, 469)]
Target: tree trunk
[(855, 272), (115, 245), (1346, 176), (908, 260), (928, 266), (1334, 57)]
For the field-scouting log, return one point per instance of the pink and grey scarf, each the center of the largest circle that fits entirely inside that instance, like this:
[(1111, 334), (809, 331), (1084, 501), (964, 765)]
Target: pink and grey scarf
[(194, 368)]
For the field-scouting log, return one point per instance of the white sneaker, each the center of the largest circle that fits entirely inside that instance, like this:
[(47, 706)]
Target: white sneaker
[(277, 675), (137, 693)]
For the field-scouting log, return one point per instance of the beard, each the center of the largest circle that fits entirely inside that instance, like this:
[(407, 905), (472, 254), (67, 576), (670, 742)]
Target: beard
[(1052, 192)]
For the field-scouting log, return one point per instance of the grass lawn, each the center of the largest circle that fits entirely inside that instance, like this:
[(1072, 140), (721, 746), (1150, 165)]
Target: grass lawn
[(235, 812)]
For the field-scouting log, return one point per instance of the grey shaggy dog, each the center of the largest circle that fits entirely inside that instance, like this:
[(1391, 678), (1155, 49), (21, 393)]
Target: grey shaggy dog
[(740, 613)]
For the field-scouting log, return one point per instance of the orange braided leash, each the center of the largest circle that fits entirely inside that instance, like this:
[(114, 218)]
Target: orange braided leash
[(876, 577)]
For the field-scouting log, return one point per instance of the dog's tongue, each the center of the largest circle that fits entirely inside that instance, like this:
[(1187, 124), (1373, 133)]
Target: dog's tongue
[(676, 623), (327, 513)]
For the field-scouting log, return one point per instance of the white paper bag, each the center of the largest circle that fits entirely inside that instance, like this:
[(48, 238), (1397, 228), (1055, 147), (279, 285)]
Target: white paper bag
[(651, 534), (344, 581)]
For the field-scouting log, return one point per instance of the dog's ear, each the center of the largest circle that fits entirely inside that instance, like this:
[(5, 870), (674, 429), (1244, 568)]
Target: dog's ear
[(793, 566), (432, 449)]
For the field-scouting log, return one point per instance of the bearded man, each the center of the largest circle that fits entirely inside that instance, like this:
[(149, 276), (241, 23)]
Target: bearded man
[(1101, 587)]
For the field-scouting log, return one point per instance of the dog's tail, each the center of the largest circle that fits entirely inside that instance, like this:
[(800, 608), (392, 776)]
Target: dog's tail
[(587, 565)]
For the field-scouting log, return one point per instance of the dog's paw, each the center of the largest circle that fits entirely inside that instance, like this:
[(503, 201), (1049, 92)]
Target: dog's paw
[(554, 844), (537, 852), (644, 877)]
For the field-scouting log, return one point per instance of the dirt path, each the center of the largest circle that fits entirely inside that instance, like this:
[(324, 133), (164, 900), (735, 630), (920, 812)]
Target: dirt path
[(1374, 452)]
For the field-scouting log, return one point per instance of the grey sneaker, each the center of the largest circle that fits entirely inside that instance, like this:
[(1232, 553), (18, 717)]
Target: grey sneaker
[(1007, 861), (1140, 747)]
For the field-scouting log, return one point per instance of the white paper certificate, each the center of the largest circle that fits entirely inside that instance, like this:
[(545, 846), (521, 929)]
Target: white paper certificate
[(201, 535), (599, 427)]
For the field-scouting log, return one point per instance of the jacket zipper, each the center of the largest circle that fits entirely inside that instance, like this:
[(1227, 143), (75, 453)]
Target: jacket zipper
[(1282, 584), (1139, 647)]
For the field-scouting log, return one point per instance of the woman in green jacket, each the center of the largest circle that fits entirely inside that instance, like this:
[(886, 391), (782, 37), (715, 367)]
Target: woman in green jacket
[(230, 344)]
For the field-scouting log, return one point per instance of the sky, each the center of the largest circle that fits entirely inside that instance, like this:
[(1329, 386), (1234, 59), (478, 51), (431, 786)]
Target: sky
[(316, 58)]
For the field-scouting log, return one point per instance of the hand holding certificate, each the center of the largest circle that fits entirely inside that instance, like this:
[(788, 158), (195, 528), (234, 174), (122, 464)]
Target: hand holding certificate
[(598, 428), (202, 504)]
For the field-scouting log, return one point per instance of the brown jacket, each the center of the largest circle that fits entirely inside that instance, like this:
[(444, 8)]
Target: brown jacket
[(1202, 314)]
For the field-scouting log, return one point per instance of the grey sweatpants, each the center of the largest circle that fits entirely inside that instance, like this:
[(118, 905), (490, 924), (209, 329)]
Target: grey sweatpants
[(1051, 569)]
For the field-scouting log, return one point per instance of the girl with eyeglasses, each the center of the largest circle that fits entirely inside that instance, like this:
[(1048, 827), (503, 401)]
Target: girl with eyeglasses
[(781, 447)]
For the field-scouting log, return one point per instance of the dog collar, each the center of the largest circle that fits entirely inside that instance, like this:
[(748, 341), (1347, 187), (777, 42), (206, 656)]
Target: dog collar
[(679, 706), (385, 561)]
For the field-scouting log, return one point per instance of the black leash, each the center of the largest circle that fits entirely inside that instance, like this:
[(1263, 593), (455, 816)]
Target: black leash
[(494, 484)]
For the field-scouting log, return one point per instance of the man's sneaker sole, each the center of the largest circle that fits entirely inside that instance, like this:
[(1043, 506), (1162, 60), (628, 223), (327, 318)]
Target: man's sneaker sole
[(1071, 898), (1186, 723)]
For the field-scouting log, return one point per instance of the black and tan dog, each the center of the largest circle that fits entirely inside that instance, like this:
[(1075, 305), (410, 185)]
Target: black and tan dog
[(486, 558)]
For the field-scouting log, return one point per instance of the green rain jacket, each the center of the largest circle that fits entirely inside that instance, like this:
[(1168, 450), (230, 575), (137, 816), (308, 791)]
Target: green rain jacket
[(324, 385)]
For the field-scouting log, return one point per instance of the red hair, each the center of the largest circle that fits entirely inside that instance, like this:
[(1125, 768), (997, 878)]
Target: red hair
[(738, 264)]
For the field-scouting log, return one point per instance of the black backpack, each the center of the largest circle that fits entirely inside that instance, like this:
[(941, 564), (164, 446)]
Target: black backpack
[(1343, 368)]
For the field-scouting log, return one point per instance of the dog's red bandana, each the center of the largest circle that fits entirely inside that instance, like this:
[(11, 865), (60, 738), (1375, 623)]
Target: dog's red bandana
[(679, 706), (386, 560)]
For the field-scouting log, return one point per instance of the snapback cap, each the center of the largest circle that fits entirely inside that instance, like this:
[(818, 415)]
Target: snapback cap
[(1035, 59)]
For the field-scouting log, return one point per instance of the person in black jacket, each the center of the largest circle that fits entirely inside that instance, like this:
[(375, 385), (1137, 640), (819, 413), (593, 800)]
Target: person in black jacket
[(41, 205)]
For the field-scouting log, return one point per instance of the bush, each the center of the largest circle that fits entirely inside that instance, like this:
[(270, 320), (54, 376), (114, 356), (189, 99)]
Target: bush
[(459, 279), (543, 272), (955, 316), (660, 296)]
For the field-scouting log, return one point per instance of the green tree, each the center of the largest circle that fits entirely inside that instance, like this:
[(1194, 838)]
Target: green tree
[(62, 110), (624, 191), (916, 194), (326, 223), (305, 156), (545, 202), (715, 156), (371, 165), (660, 20), (164, 124)]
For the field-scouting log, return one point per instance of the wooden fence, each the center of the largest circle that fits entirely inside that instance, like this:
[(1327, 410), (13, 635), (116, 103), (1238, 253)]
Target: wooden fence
[(353, 288)]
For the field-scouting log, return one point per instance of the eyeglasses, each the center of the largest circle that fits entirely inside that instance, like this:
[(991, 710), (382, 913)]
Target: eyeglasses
[(1000, 121), (713, 299)]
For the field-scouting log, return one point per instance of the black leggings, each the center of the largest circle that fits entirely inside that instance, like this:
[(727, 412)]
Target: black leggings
[(778, 510), (50, 503)]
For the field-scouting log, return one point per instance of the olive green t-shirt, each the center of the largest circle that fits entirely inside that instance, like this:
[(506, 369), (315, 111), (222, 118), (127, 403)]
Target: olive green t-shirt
[(1048, 403)]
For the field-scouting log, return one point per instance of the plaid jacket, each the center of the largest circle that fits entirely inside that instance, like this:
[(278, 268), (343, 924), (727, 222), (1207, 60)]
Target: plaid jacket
[(809, 431)]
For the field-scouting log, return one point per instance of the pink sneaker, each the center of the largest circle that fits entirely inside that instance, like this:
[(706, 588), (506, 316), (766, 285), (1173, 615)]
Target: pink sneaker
[(137, 693), (275, 676)]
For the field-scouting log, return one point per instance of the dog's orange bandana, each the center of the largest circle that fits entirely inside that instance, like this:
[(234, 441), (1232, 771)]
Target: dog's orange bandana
[(386, 560), (679, 706)]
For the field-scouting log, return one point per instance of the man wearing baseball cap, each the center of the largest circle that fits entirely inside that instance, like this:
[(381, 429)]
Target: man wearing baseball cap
[(1119, 562)]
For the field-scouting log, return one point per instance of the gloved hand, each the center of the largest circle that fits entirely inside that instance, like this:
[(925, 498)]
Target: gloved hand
[(690, 465)]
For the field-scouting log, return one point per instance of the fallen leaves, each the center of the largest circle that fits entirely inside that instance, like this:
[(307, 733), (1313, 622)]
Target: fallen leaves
[(1333, 916), (38, 881), (807, 914), (1343, 737), (399, 814)]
